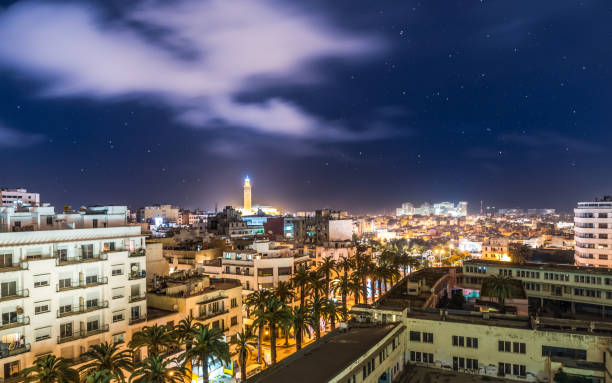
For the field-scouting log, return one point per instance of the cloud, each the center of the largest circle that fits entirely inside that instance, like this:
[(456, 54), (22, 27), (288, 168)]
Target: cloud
[(11, 138), (194, 56), (561, 141)]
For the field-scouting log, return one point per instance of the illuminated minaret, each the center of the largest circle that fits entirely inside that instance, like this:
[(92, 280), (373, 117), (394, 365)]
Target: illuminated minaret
[(247, 194)]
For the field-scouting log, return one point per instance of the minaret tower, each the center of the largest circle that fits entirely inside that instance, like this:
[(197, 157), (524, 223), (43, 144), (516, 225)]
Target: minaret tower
[(247, 195)]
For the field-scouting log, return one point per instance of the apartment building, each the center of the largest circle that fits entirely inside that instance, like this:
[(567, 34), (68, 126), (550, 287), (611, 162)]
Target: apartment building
[(65, 289), (363, 353), (497, 249), (566, 289), (213, 302), (593, 233), (261, 266), (12, 197)]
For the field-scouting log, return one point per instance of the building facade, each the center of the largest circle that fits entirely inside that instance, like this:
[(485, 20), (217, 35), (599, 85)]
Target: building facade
[(593, 233), (12, 197), (63, 290)]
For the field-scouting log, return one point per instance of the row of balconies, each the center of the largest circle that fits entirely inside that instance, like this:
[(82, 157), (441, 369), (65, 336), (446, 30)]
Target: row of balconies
[(81, 309), (20, 320), (81, 284), (80, 334)]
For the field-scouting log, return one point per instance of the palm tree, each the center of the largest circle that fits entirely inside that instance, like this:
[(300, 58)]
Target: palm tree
[(207, 345), (301, 322), (343, 286), (500, 287), (51, 369), (243, 346), (102, 376), (300, 280), (364, 267), (356, 286), (107, 356), (184, 330), (332, 311), (346, 264), (274, 314), (327, 267), (317, 307), (256, 303), (316, 283), (156, 369), (284, 292), (155, 338)]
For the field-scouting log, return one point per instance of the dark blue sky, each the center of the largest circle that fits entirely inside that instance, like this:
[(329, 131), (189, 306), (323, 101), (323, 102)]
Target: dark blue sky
[(351, 104)]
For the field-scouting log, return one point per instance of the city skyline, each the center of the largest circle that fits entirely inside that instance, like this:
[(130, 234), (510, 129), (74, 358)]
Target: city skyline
[(381, 104)]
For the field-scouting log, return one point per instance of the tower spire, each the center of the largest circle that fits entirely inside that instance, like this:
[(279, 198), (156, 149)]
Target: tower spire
[(247, 194)]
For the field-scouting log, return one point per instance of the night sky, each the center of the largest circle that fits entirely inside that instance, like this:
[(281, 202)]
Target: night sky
[(359, 105)]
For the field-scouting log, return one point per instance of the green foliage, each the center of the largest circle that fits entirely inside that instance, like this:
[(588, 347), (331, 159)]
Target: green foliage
[(51, 369)]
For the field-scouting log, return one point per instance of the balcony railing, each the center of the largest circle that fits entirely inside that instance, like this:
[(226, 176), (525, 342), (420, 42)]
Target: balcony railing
[(62, 260), (212, 315), (76, 310), (82, 284), (16, 350), (138, 319), (18, 266), (136, 298), (137, 275), (21, 321), (81, 334), (18, 295), (113, 250), (137, 253)]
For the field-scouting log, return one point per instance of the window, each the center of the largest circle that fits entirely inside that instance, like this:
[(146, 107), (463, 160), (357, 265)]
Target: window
[(117, 292), (233, 321), (415, 336), (8, 289), (9, 317), (284, 271), (42, 307), (471, 342), (42, 333), (119, 338), (109, 246), (116, 270), (87, 251), (11, 369), (515, 347), (91, 279), (471, 364), (459, 341), (92, 303), (66, 330), (118, 316), (6, 260), (135, 310), (93, 325), (428, 337), (65, 309), (49, 220), (234, 302), (571, 353), (41, 280)]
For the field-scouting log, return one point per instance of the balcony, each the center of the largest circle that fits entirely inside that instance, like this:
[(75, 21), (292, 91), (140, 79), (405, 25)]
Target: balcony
[(81, 334), (63, 260), (81, 309), (212, 315), (137, 253), (7, 268), (138, 319), (20, 321), (137, 275), (18, 295), (16, 350), (113, 250), (82, 284), (137, 298)]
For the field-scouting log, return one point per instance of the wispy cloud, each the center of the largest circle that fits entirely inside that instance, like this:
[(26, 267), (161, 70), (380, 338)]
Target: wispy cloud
[(552, 139), (11, 138), (193, 56)]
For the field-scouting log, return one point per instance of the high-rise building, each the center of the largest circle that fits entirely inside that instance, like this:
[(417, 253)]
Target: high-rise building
[(68, 281), (247, 194), (592, 224), (441, 209), (11, 197)]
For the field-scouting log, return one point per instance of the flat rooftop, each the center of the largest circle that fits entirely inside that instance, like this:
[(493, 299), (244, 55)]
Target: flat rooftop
[(541, 266), (324, 359)]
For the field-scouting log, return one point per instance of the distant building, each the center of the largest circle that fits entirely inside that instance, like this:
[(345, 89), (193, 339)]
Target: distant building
[(247, 194), (497, 249), (592, 226), (11, 197), (167, 213), (441, 209)]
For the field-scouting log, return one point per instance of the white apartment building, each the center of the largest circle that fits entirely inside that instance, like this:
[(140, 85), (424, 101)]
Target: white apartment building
[(11, 197), (593, 233), (260, 267), (65, 289)]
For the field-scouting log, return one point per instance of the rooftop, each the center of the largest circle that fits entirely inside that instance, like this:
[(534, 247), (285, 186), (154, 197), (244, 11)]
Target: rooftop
[(324, 359), (542, 266)]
